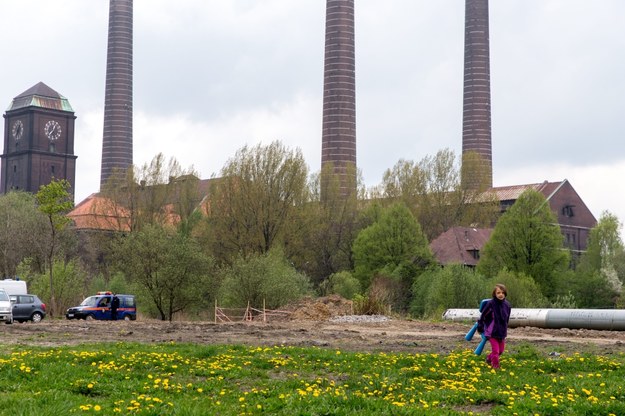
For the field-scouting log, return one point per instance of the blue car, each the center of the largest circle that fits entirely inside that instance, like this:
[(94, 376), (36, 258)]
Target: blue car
[(99, 307)]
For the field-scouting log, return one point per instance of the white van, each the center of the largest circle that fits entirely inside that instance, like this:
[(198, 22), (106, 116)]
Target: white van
[(6, 314), (13, 287)]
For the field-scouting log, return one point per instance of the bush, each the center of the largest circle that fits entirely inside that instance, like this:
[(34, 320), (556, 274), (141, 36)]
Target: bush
[(564, 302), (342, 283), (378, 299), (116, 284), (523, 291), (266, 277), (453, 286), (590, 289), (68, 281)]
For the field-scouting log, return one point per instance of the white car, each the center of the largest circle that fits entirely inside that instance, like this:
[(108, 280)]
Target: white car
[(6, 313)]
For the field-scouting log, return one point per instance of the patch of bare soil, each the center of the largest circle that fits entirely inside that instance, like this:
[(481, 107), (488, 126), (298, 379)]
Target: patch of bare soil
[(309, 324)]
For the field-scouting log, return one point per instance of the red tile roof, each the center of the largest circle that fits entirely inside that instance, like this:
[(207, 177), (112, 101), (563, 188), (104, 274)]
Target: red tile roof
[(99, 213), (458, 245)]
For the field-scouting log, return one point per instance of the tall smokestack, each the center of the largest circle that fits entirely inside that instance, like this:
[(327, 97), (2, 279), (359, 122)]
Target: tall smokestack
[(338, 148), (117, 138), (476, 119)]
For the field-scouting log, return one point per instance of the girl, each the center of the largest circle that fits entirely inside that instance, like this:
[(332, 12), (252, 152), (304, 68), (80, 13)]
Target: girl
[(493, 323)]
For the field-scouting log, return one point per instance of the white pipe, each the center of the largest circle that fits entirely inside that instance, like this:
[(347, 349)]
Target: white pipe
[(607, 319)]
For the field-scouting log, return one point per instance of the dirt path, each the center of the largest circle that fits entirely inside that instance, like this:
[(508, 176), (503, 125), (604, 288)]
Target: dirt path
[(391, 336)]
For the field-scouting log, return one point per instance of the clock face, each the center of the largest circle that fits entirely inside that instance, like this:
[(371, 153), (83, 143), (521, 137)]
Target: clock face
[(52, 129), (17, 130)]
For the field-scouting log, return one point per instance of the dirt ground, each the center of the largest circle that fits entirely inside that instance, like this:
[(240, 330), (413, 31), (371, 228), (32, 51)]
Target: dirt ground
[(391, 336), (308, 324)]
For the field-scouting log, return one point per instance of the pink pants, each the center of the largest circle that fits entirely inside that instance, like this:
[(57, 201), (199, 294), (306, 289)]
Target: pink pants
[(497, 346)]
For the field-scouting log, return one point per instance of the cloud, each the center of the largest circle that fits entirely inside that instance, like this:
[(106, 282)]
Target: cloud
[(211, 76), (208, 144)]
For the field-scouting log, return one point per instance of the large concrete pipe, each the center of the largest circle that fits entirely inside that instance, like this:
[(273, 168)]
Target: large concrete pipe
[(606, 319)]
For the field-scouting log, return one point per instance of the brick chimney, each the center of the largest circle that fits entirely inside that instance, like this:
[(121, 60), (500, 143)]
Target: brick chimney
[(338, 146), (476, 119), (117, 138)]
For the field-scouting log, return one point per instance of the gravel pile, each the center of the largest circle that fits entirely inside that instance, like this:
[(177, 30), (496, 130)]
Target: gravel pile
[(359, 319)]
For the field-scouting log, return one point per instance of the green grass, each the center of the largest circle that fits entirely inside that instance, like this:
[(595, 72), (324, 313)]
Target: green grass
[(184, 379)]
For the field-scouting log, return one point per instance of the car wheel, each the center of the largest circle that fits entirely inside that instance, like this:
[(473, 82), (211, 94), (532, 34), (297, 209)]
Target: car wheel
[(89, 317), (127, 318), (37, 317)]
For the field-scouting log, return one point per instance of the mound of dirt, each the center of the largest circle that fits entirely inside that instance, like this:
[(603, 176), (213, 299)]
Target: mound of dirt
[(320, 309)]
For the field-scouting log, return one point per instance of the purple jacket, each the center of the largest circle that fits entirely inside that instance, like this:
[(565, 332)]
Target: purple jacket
[(494, 319)]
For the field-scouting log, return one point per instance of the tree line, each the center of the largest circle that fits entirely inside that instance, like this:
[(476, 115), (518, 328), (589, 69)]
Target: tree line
[(261, 232)]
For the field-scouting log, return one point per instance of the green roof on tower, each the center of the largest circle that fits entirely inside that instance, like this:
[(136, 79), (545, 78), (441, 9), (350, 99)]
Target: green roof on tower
[(40, 95)]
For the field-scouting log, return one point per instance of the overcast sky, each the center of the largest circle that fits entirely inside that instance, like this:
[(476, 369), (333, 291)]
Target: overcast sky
[(211, 76)]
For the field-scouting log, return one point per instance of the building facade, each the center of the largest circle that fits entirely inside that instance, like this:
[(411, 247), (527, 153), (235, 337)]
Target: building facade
[(463, 244)]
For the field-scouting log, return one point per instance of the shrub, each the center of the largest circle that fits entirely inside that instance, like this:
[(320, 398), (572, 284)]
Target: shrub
[(68, 281), (342, 283), (453, 286), (523, 291), (377, 301), (262, 277)]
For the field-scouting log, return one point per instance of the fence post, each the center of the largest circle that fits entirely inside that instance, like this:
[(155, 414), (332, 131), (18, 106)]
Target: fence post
[(248, 313)]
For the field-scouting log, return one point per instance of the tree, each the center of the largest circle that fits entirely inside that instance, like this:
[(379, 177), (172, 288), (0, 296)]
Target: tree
[(255, 201), (169, 266), (393, 241), (22, 233), (160, 192), (332, 224), (476, 172), (600, 275), (70, 282), (433, 191), (527, 240), (54, 201)]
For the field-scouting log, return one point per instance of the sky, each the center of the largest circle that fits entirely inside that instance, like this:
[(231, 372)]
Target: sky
[(211, 76)]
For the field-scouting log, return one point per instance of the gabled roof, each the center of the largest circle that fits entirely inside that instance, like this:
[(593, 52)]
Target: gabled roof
[(513, 192), (98, 213), (40, 95), (459, 245)]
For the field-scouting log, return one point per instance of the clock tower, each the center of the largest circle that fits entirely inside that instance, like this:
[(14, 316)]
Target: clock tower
[(38, 141)]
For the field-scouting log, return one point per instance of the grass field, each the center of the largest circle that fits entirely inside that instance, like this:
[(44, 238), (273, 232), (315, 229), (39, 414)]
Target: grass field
[(184, 379)]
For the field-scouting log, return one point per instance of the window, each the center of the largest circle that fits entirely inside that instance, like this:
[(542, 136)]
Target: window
[(567, 210), (475, 254)]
